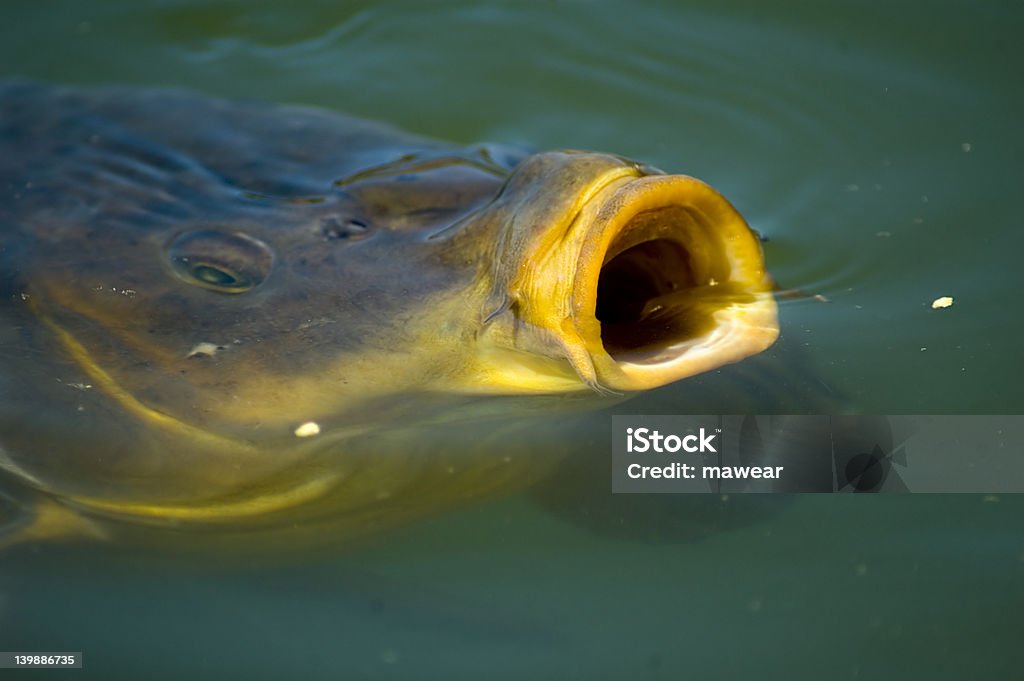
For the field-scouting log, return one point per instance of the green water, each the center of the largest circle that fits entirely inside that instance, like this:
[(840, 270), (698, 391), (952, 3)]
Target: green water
[(876, 145)]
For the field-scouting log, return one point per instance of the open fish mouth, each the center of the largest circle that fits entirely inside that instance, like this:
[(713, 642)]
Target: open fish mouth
[(624, 281), (671, 282)]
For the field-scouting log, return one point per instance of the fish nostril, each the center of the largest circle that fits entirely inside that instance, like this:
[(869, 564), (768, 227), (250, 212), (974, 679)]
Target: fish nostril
[(338, 229)]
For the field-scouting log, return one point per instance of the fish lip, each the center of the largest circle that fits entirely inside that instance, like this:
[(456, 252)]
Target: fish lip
[(717, 233)]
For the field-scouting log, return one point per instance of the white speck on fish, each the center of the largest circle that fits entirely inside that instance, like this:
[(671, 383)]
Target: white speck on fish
[(204, 349), (308, 429)]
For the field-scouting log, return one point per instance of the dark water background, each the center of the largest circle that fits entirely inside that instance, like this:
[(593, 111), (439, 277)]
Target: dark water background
[(877, 145)]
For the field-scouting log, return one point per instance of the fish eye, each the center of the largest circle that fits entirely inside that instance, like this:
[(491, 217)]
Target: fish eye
[(218, 276), (227, 262)]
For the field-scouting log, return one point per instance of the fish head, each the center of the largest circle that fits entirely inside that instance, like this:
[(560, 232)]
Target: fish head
[(610, 276)]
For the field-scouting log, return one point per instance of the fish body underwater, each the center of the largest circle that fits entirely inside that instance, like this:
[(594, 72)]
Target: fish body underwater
[(235, 323)]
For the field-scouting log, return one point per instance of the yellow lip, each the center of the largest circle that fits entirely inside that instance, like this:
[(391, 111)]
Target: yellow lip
[(677, 240)]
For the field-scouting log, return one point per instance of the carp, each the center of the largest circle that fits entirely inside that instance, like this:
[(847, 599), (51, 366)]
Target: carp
[(225, 320)]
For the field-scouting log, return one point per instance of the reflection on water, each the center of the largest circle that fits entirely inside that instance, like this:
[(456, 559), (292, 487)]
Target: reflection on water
[(877, 151)]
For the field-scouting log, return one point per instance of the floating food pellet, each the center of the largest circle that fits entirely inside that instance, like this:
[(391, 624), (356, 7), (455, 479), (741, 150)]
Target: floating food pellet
[(308, 429), (944, 301)]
